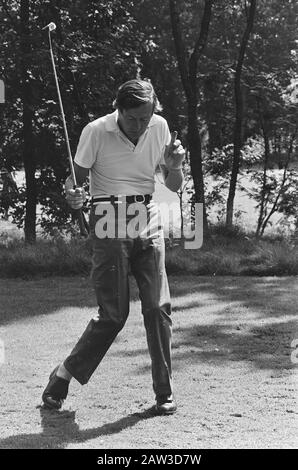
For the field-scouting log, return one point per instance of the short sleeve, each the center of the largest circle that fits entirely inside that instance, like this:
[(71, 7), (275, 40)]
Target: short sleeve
[(86, 150)]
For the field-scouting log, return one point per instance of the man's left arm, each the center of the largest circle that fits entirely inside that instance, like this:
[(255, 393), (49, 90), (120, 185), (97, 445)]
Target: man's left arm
[(172, 169)]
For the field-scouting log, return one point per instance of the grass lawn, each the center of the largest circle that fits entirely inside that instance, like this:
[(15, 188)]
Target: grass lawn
[(234, 380)]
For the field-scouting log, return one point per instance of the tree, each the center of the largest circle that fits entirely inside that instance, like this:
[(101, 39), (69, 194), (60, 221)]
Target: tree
[(98, 44), (277, 113), (28, 113), (86, 39), (238, 126), (188, 71)]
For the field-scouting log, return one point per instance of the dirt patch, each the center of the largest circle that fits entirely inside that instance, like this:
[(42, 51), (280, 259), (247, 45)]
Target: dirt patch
[(235, 370)]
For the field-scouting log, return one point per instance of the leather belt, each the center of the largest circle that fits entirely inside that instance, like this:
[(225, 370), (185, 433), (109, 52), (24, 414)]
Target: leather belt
[(144, 198)]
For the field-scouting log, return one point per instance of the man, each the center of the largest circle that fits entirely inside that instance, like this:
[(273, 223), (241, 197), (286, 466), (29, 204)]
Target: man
[(121, 153)]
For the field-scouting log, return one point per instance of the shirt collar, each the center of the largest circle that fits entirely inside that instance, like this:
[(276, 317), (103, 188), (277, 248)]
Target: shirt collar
[(112, 126)]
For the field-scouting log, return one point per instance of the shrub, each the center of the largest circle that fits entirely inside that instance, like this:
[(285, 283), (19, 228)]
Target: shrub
[(228, 252), (46, 257)]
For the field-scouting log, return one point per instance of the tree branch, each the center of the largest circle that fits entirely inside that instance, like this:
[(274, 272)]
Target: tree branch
[(179, 46), (245, 38), (200, 43), (274, 206)]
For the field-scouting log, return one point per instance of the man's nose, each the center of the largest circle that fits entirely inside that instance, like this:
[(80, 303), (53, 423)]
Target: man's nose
[(138, 125)]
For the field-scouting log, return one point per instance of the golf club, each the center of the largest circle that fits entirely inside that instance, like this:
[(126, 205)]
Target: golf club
[(51, 27)]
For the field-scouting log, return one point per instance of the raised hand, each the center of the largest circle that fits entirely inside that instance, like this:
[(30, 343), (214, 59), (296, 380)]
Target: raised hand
[(174, 153)]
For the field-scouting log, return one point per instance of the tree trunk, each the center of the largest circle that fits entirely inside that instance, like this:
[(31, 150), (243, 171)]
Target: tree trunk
[(2, 101), (195, 159), (212, 113), (188, 73), (238, 131), (28, 137)]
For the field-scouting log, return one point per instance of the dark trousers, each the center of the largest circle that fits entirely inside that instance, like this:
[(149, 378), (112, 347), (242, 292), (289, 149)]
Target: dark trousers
[(112, 260)]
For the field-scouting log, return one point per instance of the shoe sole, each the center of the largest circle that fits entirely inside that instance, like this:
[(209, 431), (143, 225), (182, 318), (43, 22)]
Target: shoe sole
[(166, 413), (50, 405)]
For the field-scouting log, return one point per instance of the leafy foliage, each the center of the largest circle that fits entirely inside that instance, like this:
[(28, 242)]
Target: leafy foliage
[(99, 44)]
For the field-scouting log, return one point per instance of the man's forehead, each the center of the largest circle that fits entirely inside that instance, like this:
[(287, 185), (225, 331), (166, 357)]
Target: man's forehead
[(145, 110)]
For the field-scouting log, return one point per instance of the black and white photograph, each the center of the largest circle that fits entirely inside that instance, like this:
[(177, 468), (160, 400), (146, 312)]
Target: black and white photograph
[(149, 229)]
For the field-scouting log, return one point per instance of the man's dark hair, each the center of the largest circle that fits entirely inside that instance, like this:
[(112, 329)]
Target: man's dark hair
[(134, 93)]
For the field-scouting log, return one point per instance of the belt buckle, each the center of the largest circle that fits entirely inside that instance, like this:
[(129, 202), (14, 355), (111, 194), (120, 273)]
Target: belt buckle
[(138, 196)]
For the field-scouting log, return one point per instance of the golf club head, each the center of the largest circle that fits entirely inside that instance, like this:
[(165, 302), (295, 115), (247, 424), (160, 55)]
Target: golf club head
[(51, 26)]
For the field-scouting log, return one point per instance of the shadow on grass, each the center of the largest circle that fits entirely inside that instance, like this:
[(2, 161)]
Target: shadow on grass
[(251, 320), (21, 299), (255, 321), (251, 292), (261, 333), (59, 429), (264, 347)]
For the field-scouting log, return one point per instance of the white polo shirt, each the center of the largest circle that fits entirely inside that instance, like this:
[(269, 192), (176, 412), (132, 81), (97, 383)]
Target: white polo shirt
[(117, 166)]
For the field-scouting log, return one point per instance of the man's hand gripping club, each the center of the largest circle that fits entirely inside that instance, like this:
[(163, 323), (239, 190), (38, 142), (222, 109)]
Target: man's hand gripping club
[(74, 197)]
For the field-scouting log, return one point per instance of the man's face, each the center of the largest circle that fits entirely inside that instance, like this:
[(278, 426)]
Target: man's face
[(134, 121)]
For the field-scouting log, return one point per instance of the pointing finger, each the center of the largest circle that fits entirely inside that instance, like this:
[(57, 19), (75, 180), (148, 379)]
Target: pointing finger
[(173, 137)]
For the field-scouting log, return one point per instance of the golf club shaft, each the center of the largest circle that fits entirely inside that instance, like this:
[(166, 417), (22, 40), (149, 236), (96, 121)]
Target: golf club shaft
[(81, 219), (73, 175)]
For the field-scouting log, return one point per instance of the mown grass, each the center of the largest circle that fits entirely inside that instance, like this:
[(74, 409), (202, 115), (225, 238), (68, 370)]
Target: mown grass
[(227, 252)]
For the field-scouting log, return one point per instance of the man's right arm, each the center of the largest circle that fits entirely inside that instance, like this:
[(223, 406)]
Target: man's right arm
[(81, 174), (85, 156)]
